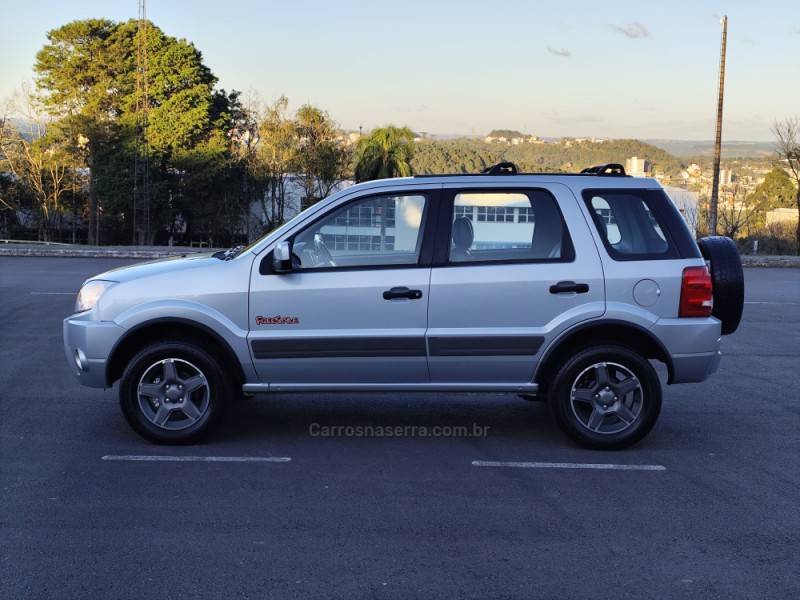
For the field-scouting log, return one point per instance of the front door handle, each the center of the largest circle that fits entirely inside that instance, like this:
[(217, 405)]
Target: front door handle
[(402, 292), (564, 287)]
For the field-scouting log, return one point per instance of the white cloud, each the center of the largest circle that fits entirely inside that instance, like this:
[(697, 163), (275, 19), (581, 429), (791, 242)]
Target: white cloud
[(632, 30)]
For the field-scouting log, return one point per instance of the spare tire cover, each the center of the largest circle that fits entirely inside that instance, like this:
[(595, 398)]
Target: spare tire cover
[(727, 278)]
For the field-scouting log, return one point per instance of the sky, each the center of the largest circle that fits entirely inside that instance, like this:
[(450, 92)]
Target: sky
[(572, 68)]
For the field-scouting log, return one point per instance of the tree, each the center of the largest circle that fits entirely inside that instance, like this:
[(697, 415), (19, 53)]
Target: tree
[(787, 133), (736, 211), (776, 191), (37, 161), (386, 152), (322, 158), (278, 153), (86, 76), (76, 82)]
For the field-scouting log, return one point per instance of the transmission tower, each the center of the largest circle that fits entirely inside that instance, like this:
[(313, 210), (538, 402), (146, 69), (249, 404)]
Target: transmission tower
[(712, 205), (141, 167)]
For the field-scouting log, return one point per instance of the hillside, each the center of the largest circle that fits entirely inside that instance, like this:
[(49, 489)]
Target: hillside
[(730, 149), (470, 156)]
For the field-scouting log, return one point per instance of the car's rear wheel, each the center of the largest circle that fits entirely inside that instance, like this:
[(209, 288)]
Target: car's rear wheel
[(607, 397), (173, 392)]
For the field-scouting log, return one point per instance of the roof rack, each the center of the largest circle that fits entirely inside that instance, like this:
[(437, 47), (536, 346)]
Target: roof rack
[(509, 168), (501, 168), (606, 169)]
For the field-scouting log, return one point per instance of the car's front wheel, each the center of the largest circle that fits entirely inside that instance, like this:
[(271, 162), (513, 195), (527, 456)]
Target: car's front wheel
[(172, 392), (607, 397)]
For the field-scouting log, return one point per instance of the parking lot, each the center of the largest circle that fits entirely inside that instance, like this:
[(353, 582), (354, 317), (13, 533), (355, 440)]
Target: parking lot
[(287, 500)]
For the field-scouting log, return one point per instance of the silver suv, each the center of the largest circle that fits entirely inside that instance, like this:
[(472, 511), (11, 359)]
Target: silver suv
[(561, 287)]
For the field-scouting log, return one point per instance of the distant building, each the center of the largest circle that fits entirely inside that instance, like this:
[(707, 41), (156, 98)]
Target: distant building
[(782, 216), (725, 177), (507, 136), (686, 203), (637, 167)]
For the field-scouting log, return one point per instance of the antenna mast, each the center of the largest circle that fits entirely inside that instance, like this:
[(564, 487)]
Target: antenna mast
[(712, 205), (141, 174)]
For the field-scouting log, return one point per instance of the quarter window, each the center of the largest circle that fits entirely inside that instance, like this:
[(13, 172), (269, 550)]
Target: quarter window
[(629, 224)]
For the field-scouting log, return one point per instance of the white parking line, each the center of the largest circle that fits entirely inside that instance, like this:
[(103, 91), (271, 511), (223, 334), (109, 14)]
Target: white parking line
[(152, 458), (549, 465)]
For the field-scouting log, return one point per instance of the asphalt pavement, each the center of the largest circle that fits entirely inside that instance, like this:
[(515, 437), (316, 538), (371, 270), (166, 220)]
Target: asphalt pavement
[(400, 516)]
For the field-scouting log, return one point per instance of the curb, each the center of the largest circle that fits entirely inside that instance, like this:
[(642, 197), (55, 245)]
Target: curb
[(785, 262), (60, 252)]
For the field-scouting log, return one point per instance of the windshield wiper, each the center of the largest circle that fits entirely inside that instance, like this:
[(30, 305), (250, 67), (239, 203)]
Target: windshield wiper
[(229, 253)]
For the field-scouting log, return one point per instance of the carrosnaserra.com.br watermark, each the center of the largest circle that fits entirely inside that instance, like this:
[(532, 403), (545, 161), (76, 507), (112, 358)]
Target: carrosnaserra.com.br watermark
[(473, 430)]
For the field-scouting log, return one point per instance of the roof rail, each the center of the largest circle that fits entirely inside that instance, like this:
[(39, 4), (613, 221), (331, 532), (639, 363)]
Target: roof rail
[(606, 169), (509, 168)]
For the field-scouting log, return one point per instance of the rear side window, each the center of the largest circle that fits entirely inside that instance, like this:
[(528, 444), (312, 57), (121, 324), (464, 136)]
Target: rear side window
[(508, 226), (635, 224)]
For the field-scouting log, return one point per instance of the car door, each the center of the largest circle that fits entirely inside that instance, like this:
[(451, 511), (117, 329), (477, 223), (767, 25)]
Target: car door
[(353, 309), (513, 267)]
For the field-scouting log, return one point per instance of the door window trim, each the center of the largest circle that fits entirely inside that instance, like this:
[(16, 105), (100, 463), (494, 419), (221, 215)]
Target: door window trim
[(441, 253), (427, 225)]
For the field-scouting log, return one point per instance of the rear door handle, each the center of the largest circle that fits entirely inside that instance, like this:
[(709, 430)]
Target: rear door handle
[(564, 287), (402, 292)]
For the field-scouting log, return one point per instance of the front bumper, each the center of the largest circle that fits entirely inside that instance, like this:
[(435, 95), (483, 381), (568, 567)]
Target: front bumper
[(87, 346)]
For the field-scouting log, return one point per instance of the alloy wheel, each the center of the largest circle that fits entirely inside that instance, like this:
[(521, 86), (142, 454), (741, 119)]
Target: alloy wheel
[(173, 394), (606, 398)]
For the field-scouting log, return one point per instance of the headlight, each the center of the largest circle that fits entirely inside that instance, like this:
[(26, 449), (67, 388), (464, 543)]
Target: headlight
[(90, 293)]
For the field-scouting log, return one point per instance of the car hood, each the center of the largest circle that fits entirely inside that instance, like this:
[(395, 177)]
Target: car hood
[(157, 267)]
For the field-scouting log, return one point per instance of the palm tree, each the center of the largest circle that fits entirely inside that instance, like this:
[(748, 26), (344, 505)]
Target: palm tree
[(385, 152)]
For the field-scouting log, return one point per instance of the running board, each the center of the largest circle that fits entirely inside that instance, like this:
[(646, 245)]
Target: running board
[(519, 388)]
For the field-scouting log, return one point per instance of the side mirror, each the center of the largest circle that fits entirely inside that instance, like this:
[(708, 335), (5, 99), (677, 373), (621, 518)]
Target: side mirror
[(282, 257)]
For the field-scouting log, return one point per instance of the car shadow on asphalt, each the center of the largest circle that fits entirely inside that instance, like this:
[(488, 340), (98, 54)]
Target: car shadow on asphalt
[(409, 415)]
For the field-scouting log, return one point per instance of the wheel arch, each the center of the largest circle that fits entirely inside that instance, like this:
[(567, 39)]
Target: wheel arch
[(170, 328), (596, 332)]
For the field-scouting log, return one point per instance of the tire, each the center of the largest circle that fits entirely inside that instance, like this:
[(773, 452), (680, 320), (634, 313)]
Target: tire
[(629, 415), (194, 370), (727, 279)]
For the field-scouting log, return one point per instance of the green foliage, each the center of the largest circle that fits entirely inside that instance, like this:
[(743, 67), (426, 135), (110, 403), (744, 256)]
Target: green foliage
[(87, 75), (385, 152), (322, 160), (466, 155), (454, 156), (776, 191), (73, 71)]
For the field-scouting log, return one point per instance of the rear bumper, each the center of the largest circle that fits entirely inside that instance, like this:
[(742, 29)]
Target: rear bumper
[(692, 368), (693, 346), (87, 345)]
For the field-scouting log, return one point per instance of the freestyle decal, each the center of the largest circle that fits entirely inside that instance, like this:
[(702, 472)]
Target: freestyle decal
[(277, 320)]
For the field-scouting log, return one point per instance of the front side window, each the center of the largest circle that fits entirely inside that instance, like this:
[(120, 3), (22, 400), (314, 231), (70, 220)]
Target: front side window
[(628, 224), (372, 231), (507, 226)]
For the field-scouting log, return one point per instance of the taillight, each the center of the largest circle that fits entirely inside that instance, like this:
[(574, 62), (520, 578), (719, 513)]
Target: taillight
[(697, 298)]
